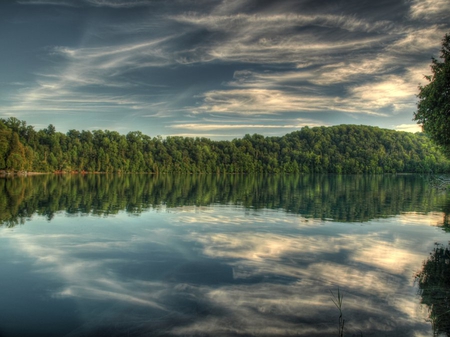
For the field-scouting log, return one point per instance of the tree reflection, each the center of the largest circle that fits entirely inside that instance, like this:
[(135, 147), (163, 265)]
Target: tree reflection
[(336, 198), (446, 222), (434, 285)]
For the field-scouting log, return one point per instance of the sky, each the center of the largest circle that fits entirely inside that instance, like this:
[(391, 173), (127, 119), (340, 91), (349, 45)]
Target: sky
[(216, 68)]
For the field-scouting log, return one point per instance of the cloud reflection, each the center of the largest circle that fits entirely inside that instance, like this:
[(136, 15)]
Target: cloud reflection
[(274, 273)]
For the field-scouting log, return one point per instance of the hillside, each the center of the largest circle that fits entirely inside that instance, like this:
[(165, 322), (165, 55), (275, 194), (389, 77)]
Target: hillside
[(342, 149)]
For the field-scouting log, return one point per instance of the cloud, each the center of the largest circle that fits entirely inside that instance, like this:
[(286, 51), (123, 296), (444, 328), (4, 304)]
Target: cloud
[(395, 92), (274, 39), (210, 127), (389, 91), (376, 83), (95, 3), (198, 134), (342, 72), (69, 3), (287, 61), (408, 128), (112, 60), (263, 22), (119, 3), (374, 87), (430, 9), (93, 79), (352, 71), (417, 40), (44, 98), (253, 101)]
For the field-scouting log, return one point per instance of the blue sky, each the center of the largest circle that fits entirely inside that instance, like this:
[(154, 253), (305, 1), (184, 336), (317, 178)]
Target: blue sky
[(216, 68)]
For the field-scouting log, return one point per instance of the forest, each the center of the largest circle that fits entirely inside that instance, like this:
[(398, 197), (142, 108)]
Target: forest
[(341, 149), (343, 198)]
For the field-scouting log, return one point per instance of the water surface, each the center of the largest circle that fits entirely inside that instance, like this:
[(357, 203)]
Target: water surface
[(140, 255)]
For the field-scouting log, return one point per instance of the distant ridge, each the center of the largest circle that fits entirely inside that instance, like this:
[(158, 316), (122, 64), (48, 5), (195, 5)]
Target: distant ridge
[(341, 149)]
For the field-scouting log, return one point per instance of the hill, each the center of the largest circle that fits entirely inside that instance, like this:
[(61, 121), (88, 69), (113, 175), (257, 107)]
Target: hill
[(342, 149)]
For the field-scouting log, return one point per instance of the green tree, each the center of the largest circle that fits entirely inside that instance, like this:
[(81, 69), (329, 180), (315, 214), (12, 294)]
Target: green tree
[(433, 108), (16, 159), (5, 136)]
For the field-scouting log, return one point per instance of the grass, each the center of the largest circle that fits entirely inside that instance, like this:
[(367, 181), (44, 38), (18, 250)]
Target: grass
[(337, 300)]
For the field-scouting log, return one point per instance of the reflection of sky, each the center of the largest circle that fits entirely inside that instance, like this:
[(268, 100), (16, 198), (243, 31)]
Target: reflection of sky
[(214, 270)]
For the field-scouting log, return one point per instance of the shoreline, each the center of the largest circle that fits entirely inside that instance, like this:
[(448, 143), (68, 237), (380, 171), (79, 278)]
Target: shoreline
[(21, 174)]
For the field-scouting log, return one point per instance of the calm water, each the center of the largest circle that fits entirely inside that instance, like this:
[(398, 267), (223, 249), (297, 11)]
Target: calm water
[(140, 255)]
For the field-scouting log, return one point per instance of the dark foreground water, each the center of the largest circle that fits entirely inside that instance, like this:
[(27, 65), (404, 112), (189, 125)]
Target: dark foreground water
[(139, 255)]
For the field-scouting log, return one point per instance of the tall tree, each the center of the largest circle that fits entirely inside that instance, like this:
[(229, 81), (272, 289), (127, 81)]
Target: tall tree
[(16, 159), (433, 108)]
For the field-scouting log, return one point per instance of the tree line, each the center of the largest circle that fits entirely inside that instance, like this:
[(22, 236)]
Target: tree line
[(342, 149), (343, 198)]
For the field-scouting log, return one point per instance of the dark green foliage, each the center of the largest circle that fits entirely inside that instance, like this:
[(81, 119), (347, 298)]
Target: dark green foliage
[(434, 285), (343, 198), (342, 149), (433, 109), (13, 154)]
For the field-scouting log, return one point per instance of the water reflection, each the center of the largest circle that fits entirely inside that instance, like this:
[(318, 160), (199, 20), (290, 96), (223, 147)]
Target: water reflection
[(434, 285), (215, 256), (176, 278), (446, 221), (337, 198)]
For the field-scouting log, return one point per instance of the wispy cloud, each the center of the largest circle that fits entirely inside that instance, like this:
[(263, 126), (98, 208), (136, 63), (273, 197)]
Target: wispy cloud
[(258, 101), (396, 92), (273, 38), (104, 64), (238, 58), (130, 50), (263, 22), (119, 3), (95, 3), (69, 3), (430, 9), (211, 127), (80, 83), (378, 85), (417, 40), (252, 101)]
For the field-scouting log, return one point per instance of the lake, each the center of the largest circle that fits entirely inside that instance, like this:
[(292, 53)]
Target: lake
[(235, 255)]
